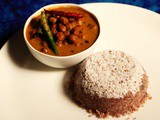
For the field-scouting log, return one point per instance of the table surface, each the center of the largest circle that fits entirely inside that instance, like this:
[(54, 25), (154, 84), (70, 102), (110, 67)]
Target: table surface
[(14, 13)]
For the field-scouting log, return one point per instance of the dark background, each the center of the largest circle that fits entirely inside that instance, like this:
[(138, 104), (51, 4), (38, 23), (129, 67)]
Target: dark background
[(13, 13)]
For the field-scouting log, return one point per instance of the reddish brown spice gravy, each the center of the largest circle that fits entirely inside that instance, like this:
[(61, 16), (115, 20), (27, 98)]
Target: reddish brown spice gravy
[(67, 44)]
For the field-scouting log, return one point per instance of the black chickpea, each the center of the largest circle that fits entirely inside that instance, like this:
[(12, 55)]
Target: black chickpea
[(67, 33), (73, 24), (54, 30), (60, 36), (77, 31), (53, 19), (63, 20), (69, 26), (62, 28), (54, 26), (74, 39)]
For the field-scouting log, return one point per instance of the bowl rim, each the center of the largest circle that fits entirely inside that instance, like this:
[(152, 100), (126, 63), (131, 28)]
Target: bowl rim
[(57, 5)]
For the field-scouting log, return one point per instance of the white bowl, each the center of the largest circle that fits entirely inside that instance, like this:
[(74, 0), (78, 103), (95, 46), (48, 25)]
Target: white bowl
[(58, 61)]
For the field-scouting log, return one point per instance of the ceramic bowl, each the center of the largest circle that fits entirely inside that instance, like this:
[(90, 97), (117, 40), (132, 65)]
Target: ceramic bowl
[(58, 61)]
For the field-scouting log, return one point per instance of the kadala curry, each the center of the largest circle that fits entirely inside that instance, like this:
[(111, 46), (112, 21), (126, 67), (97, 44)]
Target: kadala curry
[(63, 31)]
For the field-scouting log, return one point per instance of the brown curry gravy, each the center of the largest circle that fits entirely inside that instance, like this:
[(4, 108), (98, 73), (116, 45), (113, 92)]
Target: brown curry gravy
[(90, 35)]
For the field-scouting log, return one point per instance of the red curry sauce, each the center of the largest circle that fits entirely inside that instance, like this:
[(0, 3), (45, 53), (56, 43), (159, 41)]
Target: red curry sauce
[(72, 35)]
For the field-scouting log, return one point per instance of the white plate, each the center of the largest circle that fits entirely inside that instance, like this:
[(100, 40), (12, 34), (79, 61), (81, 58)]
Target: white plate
[(30, 90)]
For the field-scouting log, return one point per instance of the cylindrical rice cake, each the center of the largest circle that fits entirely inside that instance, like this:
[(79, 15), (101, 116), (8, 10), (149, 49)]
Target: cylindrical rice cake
[(110, 83)]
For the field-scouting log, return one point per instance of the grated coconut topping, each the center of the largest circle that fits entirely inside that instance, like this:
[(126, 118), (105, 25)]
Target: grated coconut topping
[(110, 74)]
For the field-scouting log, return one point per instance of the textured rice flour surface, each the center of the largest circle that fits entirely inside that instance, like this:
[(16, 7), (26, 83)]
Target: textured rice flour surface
[(110, 74)]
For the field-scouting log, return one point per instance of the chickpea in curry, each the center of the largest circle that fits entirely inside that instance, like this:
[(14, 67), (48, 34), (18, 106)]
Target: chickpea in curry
[(68, 30)]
